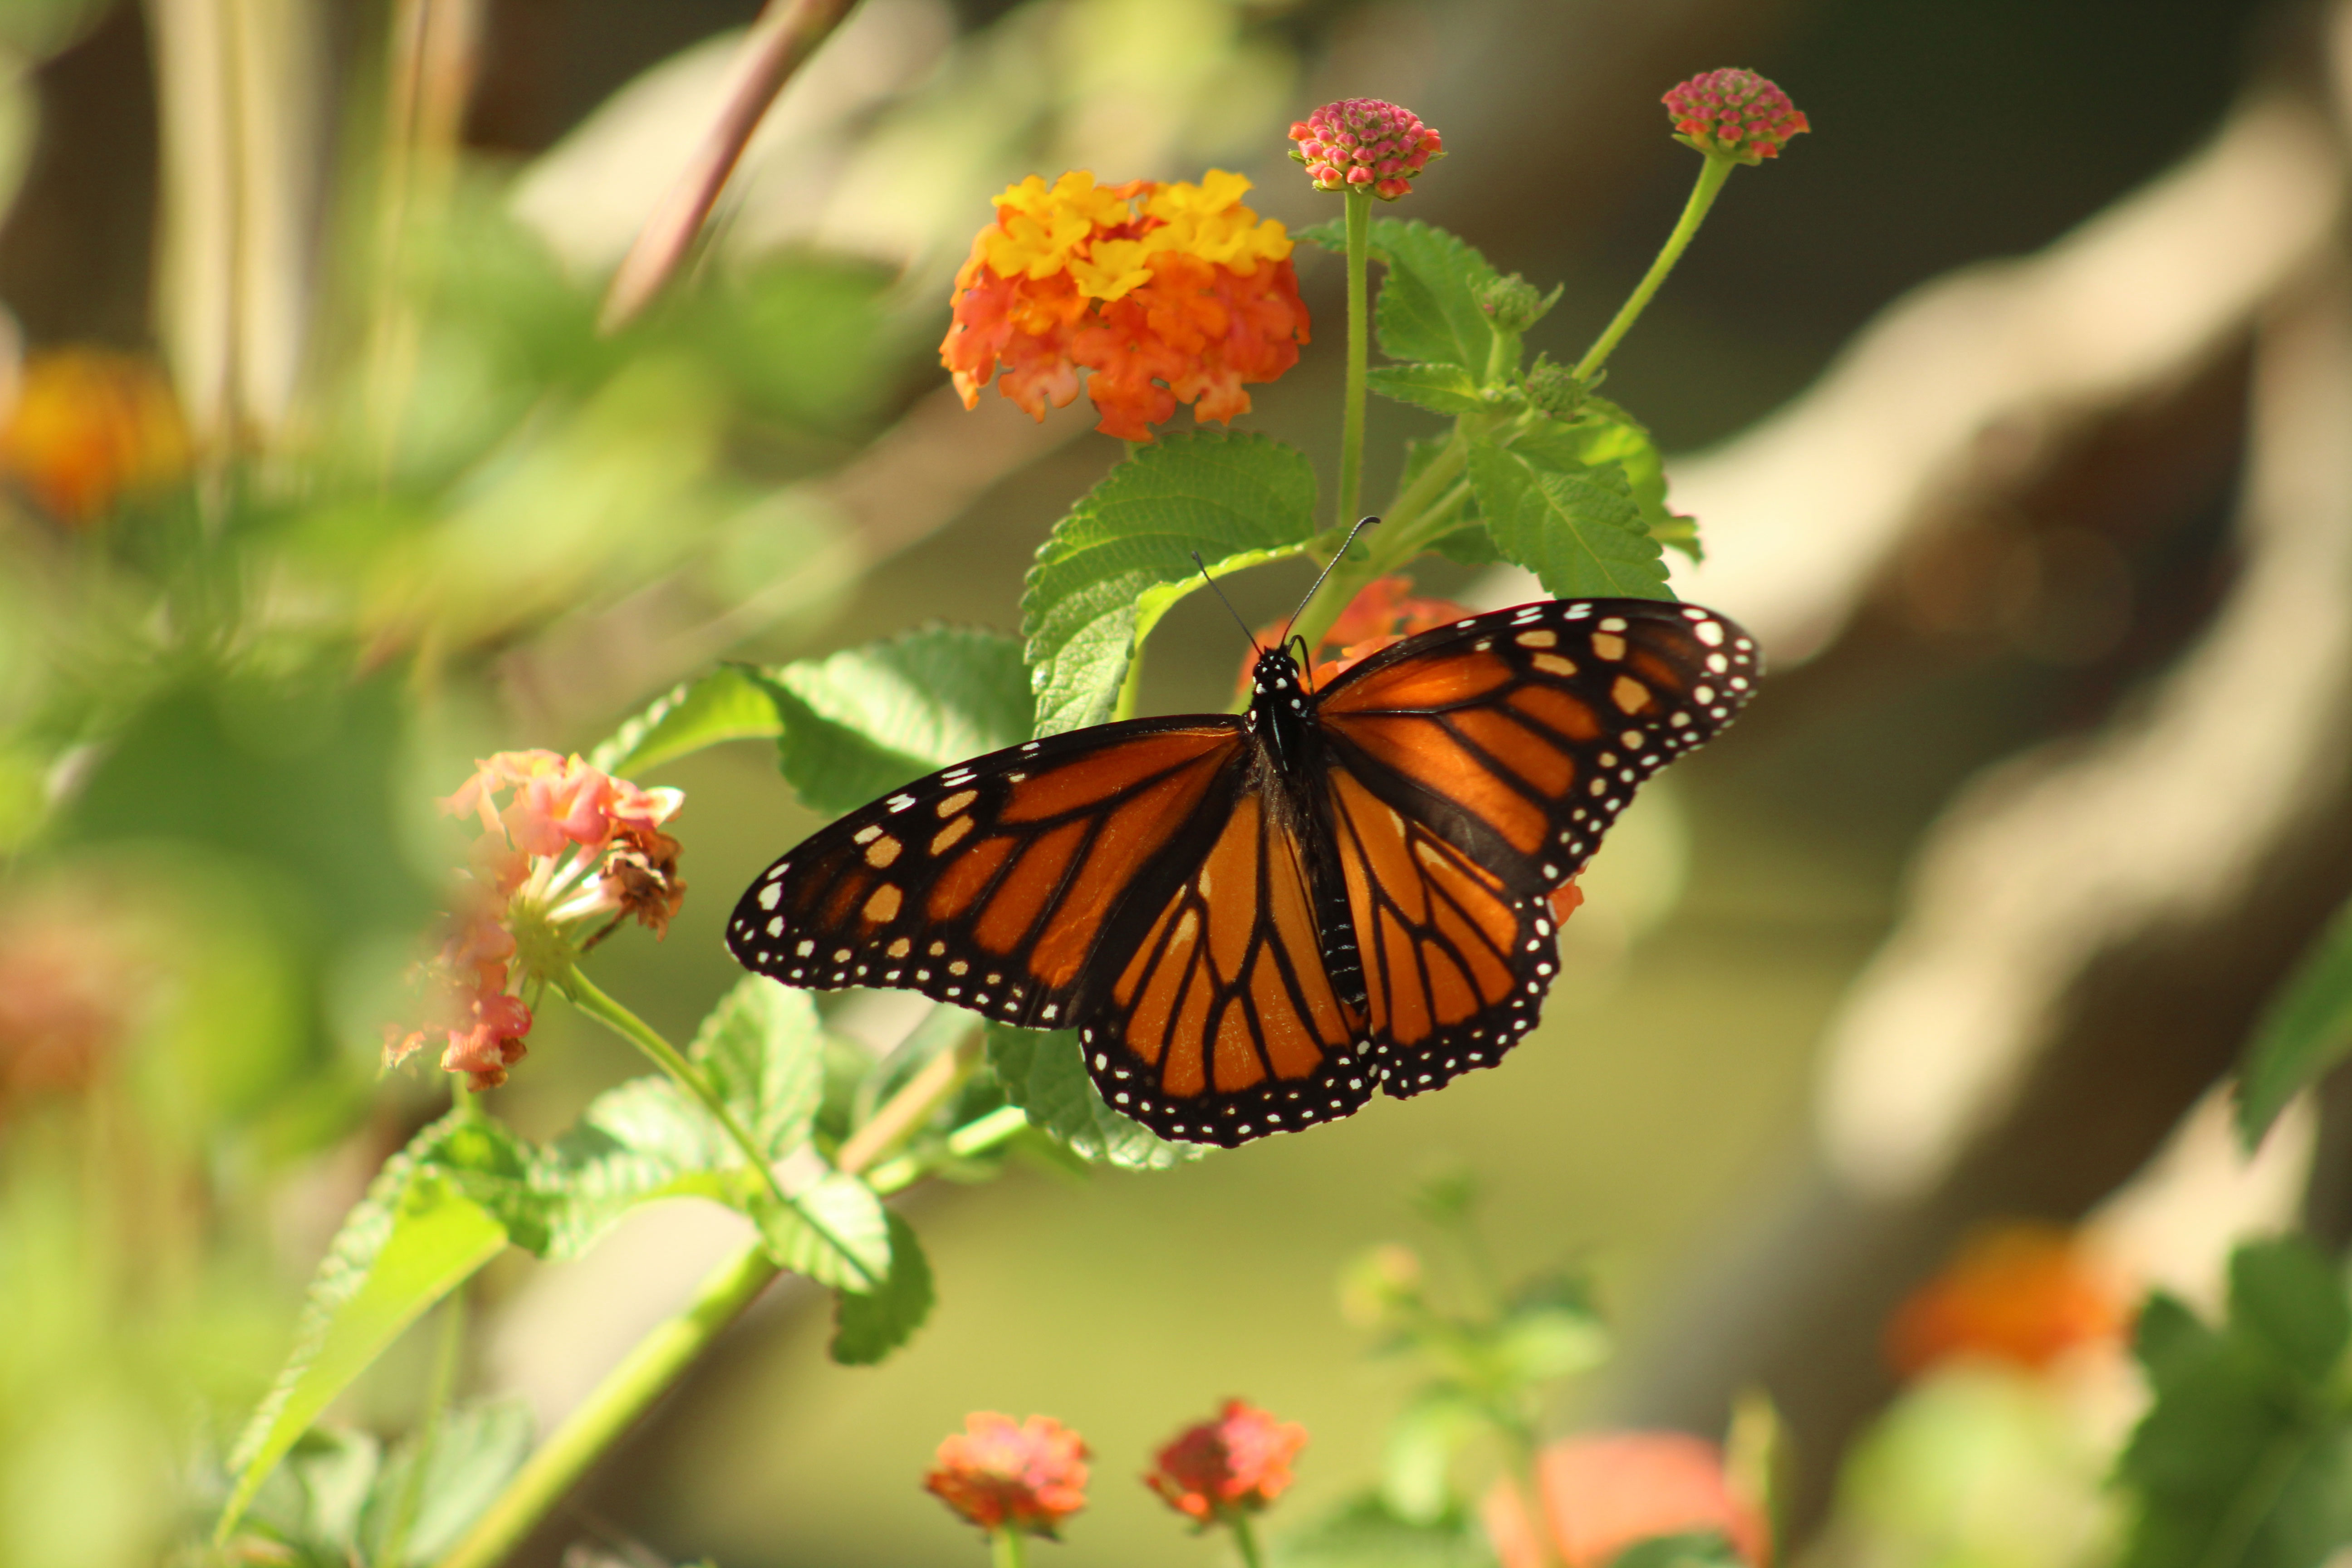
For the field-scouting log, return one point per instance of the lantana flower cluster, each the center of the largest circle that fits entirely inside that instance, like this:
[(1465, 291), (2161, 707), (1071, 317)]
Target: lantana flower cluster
[(1238, 1463), (1605, 1491), (1026, 1477), (1361, 142), (1164, 293), (1735, 113), (563, 846), (89, 427)]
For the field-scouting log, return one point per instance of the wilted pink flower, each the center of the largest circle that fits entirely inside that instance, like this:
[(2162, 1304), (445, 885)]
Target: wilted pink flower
[(1361, 142), (1735, 113), (1603, 1493), (1000, 1474), (1238, 1463), (569, 845)]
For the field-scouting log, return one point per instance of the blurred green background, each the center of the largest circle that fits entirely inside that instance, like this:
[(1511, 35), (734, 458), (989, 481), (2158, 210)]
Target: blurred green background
[(460, 520)]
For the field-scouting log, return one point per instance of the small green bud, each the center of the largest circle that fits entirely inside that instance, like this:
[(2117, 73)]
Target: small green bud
[(1512, 304), (1554, 388)]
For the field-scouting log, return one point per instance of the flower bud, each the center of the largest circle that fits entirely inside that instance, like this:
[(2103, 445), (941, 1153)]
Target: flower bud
[(1512, 303), (1553, 388), (1735, 113), (1360, 142)]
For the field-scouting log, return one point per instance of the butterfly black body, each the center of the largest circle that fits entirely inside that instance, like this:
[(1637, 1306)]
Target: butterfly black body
[(1256, 921)]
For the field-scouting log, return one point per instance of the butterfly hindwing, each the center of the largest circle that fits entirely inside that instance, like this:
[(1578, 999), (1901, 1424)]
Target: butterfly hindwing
[(987, 884), (1222, 1025)]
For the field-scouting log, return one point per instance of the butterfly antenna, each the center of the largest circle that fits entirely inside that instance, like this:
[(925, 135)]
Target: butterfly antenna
[(1228, 604), (1336, 559)]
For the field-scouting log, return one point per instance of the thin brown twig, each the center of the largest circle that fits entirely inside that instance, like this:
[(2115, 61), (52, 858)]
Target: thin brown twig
[(786, 33)]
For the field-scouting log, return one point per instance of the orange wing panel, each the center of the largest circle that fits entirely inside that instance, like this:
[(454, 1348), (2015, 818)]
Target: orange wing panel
[(1091, 779)]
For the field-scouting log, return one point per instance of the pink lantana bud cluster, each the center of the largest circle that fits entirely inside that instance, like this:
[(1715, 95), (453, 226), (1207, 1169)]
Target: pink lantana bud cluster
[(1735, 113), (1361, 142), (563, 845)]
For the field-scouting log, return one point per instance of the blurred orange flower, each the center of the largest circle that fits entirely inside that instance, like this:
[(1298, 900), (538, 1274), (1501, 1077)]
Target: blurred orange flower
[(1238, 1463), (1000, 1474), (1604, 1494), (89, 427), (1165, 293), (2024, 1293)]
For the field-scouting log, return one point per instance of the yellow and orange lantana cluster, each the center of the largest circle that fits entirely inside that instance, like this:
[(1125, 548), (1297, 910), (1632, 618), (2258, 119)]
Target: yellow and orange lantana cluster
[(1164, 293)]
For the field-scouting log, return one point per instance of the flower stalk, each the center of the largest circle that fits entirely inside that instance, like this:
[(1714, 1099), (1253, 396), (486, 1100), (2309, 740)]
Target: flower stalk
[(1359, 337), (1711, 175)]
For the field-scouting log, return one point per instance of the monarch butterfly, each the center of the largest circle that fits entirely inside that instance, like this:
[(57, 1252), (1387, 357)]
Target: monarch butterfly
[(1253, 922)]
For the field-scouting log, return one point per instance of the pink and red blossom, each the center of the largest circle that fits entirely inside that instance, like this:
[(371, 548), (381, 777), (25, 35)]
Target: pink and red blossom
[(1237, 1463), (1365, 142), (1734, 113), (1025, 1476), (1603, 1493)]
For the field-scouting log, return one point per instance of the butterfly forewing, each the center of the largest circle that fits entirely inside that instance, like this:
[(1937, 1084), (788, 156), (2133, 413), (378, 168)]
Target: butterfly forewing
[(990, 884), (1518, 736)]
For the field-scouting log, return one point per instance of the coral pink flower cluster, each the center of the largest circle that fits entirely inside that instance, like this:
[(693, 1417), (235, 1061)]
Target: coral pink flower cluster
[(1236, 1464), (1361, 142), (1001, 1474), (1735, 113), (1164, 293), (2024, 1293), (563, 844)]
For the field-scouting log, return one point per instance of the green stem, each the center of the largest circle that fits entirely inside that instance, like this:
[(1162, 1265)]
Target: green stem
[(1004, 1547), (590, 1431), (1360, 353), (1710, 180), (1527, 1475), (1400, 537), (1245, 1539), (586, 997)]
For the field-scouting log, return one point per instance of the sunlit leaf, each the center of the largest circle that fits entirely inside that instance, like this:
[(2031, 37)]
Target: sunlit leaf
[(1112, 567), (2244, 1458), (468, 1456), (1042, 1073), (1428, 309), (1601, 432), (727, 704), (1581, 534), (763, 1048), (868, 1326), (412, 1240), (1687, 1549), (2304, 1032), (837, 1232), (1422, 1443), (866, 720), (1365, 1533)]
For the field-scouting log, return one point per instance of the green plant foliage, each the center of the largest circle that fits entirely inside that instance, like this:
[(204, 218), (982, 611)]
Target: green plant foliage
[(866, 720), (1440, 388), (439, 1480), (1428, 309), (759, 1048), (2245, 1458), (2303, 1032), (1601, 434), (413, 1239), (867, 1327), (1580, 534), (1111, 568), (836, 1232), (1043, 1074), (1365, 1533), (1693, 1549), (730, 704)]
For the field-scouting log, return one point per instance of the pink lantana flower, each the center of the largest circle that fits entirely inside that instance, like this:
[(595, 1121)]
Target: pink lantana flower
[(563, 847), (1735, 113), (1606, 1492), (1237, 1463), (1023, 1477), (1365, 142)]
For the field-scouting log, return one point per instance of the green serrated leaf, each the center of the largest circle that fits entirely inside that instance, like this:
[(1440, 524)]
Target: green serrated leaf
[(867, 1328), (727, 704), (472, 1453), (1043, 1073), (1440, 388), (1112, 567), (852, 1249), (2287, 1298), (2245, 1455), (1428, 308), (763, 1049), (317, 1497), (1365, 1533), (1580, 534), (2305, 1031), (866, 720), (411, 1240), (1601, 434)]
